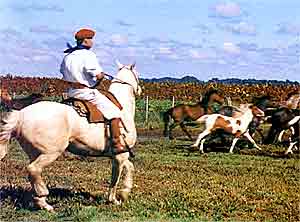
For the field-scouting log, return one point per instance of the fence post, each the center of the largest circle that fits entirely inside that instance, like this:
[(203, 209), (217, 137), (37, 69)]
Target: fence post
[(147, 110), (229, 101), (173, 101)]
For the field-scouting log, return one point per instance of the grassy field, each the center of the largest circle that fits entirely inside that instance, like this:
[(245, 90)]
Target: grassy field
[(171, 183)]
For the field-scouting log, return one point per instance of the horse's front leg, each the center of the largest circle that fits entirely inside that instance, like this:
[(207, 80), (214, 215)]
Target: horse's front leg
[(201, 149), (128, 180), (115, 177), (184, 129), (118, 163), (290, 149), (233, 144)]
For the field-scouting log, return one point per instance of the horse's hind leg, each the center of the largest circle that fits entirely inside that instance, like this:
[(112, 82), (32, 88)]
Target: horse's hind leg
[(172, 126), (273, 131), (35, 169), (184, 129), (200, 137)]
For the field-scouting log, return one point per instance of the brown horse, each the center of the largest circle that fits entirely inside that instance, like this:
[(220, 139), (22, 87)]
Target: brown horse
[(181, 113), (9, 103)]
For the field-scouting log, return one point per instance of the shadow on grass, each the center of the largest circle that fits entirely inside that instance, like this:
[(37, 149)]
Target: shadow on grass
[(243, 147), (21, 198), (273, 154)]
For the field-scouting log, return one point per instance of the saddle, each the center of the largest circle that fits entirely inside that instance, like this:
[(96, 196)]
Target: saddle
[(89, 110)]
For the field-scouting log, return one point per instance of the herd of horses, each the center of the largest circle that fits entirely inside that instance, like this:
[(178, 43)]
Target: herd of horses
[(282, 117), (27, 120)]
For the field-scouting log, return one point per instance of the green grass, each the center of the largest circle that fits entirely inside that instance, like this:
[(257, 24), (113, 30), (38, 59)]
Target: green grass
[(171, 183)]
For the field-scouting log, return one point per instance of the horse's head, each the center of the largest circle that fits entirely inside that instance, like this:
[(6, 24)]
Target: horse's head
[(257, 112), (293, 100), (5, 98), (4, 94), (262, 102), (129, 75), (211, 96)]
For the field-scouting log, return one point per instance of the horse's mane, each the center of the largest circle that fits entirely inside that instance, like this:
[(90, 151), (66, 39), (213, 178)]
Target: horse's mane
[(289, 95), (261, 100), (207, 96)]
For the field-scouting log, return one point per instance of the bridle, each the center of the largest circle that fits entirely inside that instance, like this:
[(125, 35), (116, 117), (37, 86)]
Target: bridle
[(120, 81), (117, 80)]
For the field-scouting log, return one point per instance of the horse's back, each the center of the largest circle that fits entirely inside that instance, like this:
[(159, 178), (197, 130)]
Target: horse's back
[(48, 123), (46, 108)]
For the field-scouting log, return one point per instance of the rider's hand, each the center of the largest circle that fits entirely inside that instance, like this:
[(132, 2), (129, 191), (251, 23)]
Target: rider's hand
[(109, 76), (100, 76)]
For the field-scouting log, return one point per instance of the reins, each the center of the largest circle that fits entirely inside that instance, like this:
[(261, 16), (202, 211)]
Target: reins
[(117, 80)]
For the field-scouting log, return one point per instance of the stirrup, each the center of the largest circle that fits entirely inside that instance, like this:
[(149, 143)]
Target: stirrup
[(131, 153)]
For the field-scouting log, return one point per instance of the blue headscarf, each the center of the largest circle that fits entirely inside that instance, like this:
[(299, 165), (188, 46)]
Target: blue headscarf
[(71, 48)]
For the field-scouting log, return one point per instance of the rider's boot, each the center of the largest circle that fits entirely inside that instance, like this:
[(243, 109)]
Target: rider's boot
[(115, 134)]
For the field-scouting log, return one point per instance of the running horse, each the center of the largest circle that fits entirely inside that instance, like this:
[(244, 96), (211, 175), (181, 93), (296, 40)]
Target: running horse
[(281, 116), (237, 126), (262, 102), (69, 131), (210, 103)]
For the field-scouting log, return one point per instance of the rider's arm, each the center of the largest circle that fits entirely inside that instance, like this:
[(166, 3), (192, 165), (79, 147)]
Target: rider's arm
[(92, 66)]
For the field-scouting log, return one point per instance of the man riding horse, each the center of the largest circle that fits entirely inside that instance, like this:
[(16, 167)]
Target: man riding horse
[(81, 69)]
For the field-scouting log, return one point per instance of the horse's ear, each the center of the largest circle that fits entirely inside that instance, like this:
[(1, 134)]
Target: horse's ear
[(120, 65), (132, 66)]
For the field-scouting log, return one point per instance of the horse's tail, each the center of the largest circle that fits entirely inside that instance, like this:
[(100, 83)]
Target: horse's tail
[(8, 125), (167, 119)]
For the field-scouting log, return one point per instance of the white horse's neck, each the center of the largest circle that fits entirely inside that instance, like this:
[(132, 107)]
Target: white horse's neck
[(124, 94), (246, 118)]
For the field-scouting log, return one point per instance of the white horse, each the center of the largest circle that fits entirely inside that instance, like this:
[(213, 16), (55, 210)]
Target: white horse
[(46, 129)]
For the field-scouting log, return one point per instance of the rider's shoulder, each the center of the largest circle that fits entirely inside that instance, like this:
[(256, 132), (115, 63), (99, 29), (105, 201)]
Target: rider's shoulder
[(84, 53), (88, 52)]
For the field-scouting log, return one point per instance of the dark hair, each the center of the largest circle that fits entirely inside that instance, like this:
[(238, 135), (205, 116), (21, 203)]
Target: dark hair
[(79, 42)]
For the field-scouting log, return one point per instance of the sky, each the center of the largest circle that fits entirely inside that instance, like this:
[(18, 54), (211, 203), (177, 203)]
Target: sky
[(257, 39)]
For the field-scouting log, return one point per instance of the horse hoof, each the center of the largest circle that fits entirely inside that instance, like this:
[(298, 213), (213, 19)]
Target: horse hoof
[(49, 208), (41, 203), (124, 196)]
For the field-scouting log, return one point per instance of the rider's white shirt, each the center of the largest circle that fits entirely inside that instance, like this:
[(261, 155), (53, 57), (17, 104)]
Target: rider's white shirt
[(81, 66)]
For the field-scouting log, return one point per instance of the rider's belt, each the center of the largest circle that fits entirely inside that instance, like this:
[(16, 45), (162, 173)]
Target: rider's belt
[(77, 85)]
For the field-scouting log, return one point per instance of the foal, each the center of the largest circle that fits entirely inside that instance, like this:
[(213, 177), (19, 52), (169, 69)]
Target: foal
[(237, 126)]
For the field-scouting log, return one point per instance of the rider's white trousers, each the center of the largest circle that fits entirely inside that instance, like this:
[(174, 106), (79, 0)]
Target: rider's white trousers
[(108, 109)]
